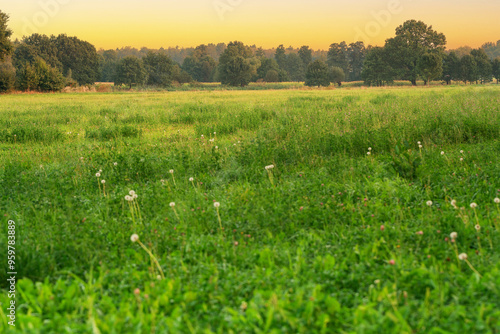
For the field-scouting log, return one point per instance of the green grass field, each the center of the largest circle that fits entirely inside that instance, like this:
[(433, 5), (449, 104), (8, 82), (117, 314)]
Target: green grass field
[(330, 240)]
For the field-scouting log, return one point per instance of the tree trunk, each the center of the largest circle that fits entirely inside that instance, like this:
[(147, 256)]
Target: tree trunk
[(413, 82)]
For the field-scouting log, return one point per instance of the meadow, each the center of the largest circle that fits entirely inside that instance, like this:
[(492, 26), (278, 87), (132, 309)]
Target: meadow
[(273, 211)]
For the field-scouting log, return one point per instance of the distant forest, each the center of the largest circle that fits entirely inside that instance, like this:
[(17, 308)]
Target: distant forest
[(416, 52)]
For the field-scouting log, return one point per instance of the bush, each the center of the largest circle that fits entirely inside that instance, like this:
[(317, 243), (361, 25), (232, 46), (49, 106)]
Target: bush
[(272, 76), (40, 77)]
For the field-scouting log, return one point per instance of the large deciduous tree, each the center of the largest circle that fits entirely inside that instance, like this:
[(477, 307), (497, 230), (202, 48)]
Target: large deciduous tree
[(237, 65), (413, 40), (200, 65), (160, 69), (451, 67), (5, 33), (377, 70), (496, 68), (79, 57), (130, 70), (318, 74), (338, 56), (430, 66)]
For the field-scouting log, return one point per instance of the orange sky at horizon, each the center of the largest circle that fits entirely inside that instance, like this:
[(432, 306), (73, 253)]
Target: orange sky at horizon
[(317, 23)]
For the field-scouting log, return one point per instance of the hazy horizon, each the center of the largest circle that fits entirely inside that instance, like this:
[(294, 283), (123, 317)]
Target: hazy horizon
[(154, 24)]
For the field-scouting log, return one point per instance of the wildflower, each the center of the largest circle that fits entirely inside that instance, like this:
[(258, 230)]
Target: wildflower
[(473, 205), (382, 227), (392, 262), (115, 163), (243, 306), (98, 174), (134, 237), (420, 232), (103, 181), (477, 227), (454, 203), (216, 147), (236, 243), (269, 167), (369, 148), (172, 204), (215, 133), (453, 235), (377, 281), (429, 203), (216, 204), (129, 198), (131, 193), (496, 200), (462, 151), (442, 152), (419, 146), (462, 256), (137, 291), (419, 143), (368, 153), (134, 196), (171, 171), (191, 179)]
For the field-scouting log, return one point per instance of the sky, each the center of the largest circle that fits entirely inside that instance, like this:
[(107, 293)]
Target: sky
[(113, 24)]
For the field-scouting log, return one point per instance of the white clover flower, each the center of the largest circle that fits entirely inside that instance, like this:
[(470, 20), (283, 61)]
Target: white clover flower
[(496, 200), (216, 204), (131, 193), (171, 171), (429, 203), (442, 152), (191, 179), (115, 163), (453, 235), (103, 181), (473, 205), (172, 204), (134, 237), (462, 256), (477, 227)]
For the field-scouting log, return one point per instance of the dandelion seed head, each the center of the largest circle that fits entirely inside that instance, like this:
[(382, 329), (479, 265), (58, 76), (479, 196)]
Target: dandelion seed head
[(442, 152), (477, 227), (131, 193), (191, 179), (497, 200), (115, 163), (429, 203), (134, 237), (172, 204), (98, 174), (473, 205), (103, 181), (462, 256), (171, 171), (216, 204), (453, 235)]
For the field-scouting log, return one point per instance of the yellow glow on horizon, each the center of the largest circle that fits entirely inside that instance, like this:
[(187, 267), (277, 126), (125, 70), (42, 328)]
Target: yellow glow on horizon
[(318, 23)]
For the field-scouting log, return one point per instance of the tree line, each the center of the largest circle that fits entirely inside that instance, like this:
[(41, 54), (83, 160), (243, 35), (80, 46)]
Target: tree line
[(416, 52)]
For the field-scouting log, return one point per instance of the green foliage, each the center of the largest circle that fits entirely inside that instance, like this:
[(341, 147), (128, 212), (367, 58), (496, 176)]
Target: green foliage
[(272, 76), (160, 69), (483, 65), (451, 67), (377, 70), (113, 132), (338, 56), (7, 76), (6, 46), (130, 71), (336, 75), (468, 69), (40, 77), (200, 65), (237, 65), (495, 69), (108, 62), (318, 74), (78, 56), (430, 66), (413, 40)]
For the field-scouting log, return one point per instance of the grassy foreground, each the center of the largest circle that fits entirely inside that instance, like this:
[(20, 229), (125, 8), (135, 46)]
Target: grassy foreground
[(330, 240)]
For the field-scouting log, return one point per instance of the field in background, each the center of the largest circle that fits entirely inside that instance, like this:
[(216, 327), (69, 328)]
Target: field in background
[(330, 240)]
